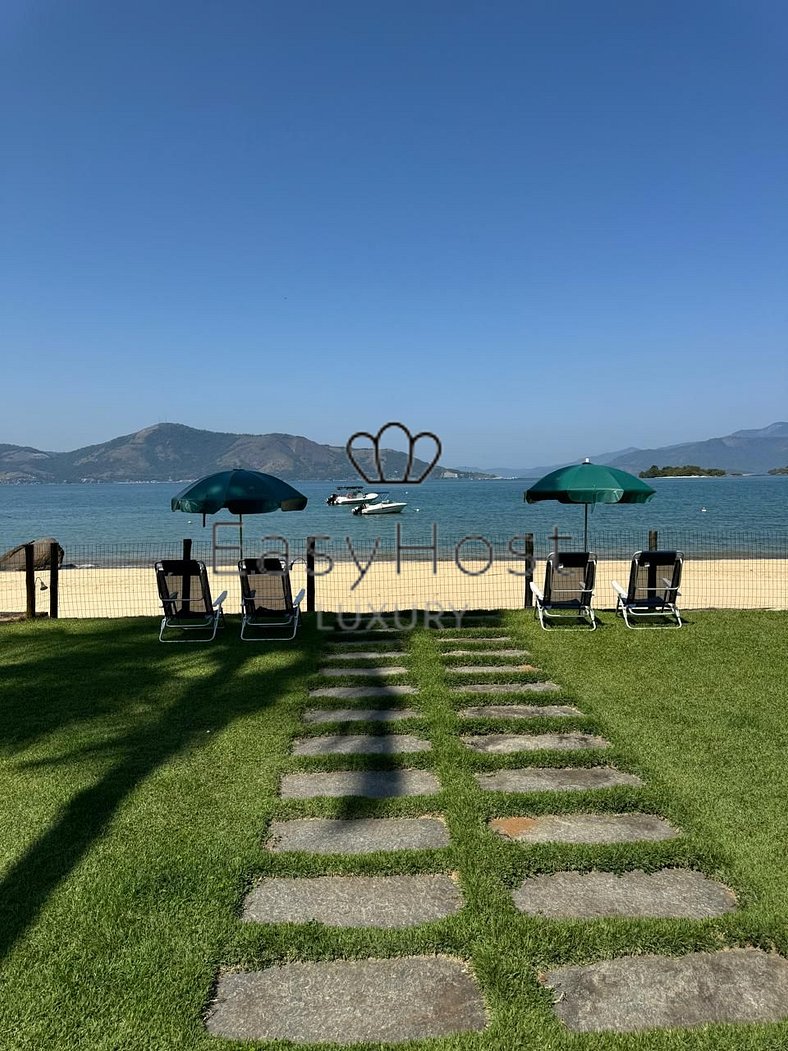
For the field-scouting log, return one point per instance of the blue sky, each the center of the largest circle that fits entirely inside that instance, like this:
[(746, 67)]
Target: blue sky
[(542, 230)]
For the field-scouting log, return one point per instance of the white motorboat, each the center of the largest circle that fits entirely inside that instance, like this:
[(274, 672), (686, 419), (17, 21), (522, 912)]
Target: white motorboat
[(383, 506), (350, 496)]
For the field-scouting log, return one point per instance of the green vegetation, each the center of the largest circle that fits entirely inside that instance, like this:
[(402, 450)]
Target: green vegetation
[(689, 470), (138, 780), (779, 470)]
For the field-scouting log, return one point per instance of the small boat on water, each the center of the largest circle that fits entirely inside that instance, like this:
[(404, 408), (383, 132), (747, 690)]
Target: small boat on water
[(350, 496), (383, 506)]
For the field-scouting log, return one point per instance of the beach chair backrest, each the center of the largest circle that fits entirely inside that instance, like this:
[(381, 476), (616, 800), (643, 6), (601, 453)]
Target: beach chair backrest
[(569, 577), (655, 577), (183, 588), (265, 586)]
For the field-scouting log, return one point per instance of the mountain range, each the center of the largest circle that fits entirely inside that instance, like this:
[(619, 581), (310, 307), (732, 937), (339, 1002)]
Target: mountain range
[(174, 452), (746, 452)]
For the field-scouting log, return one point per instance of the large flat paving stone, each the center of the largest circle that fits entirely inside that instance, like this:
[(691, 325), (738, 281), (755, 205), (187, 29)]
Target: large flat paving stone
[(490, 669), (352, 692), (349, 1002), (506, 687), (363, 673), (354, 901), (452, 640), (492, 653), (499, 744), (372, 784), (645, 992), (584, 828), (518, 711), (358, 715), (361, 836), (671, 893), (360, 744), (555, 779)]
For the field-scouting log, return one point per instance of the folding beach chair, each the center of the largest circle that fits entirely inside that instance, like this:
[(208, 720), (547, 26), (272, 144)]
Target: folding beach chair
[(653, 588), (268, 612), (186, 600), (568, 588)]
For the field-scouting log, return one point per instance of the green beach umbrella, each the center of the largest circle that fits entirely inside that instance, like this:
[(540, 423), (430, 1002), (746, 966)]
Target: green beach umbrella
[(589, 483), (241, 492)]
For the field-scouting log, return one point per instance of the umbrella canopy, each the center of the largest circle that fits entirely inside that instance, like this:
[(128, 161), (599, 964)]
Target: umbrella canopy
[(241, 492), (590, 483)]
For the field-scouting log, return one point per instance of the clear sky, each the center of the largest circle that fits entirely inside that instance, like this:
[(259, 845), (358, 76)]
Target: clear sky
[(541, 229)]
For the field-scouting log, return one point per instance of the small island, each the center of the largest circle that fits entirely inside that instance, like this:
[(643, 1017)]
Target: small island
[(779, 470), (689, 470)]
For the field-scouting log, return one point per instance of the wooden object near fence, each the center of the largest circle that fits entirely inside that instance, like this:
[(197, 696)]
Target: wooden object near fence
[(30, 581), (310, 574), (528, 598), (54, 579)]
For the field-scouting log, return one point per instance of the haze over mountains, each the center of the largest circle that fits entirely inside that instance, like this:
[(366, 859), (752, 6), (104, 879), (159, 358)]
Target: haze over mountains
[(174, 452), (748, 452)]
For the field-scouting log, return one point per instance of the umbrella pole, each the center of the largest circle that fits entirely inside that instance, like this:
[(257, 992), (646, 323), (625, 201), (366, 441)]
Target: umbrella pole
[(241, 534), (585, 527)]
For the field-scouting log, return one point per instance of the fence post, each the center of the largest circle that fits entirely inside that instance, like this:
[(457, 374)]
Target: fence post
[(653, 540), (30, 581), (528, 598), (54, 577), (310, 574)]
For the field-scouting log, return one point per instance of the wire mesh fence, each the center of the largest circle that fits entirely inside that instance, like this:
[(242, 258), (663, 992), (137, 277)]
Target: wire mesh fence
[(739, 571)]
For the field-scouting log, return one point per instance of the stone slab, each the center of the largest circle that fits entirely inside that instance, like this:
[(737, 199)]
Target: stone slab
[(519, 711), (490, 669), (353, 901), (349, 1002), (360, 836), (351, 692), (503, 744), (645, 992), (670, 893), (555, 779), (584, 828), (486, 653), (452, 640), (362, 673), (360, 744), (506, 687), (358, 715), (372, 784)]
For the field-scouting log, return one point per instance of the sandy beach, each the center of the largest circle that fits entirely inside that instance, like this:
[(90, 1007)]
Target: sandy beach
[(100, 592)]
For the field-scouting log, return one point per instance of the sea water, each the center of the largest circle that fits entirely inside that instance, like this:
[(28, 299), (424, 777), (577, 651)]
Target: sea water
[(703, 516)]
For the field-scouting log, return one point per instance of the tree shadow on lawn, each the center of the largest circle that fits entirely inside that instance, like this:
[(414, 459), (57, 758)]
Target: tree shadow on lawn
[(96, 675)]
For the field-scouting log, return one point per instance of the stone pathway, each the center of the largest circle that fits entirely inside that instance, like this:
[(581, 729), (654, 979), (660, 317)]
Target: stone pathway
[(673, 893), (417, 997), (644, 992), (349, 1001), (354, 901)]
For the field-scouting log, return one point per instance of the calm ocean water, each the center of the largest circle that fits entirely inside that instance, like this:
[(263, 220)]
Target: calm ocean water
[(704, 516)]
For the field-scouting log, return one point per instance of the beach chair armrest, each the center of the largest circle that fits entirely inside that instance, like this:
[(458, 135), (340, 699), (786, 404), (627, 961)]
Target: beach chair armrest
[(217, 604), (299, 597), (537, 591), (618, 589)]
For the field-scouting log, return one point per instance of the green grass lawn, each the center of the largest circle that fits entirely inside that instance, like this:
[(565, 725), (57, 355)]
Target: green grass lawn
[(138, 779)]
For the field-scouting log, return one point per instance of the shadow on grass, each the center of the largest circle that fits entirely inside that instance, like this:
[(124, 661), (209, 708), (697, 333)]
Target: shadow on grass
[(102, 673)]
